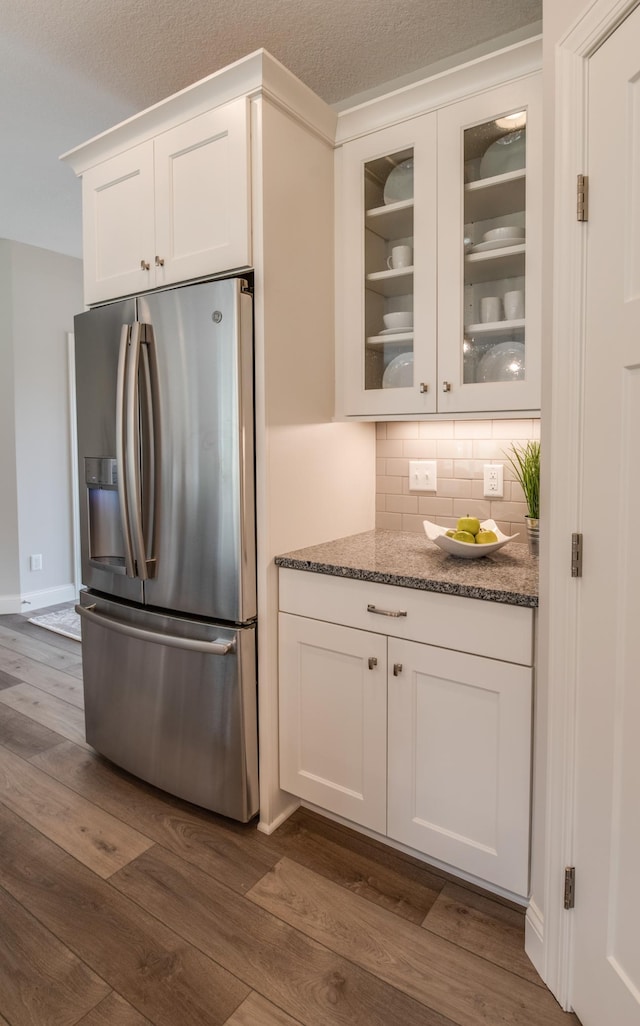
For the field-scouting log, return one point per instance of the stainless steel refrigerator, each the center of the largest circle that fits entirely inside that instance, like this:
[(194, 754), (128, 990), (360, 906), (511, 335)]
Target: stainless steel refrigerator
[(166, 461)]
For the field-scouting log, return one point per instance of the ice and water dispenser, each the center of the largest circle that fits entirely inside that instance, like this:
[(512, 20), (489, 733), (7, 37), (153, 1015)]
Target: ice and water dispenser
[(106, 540)]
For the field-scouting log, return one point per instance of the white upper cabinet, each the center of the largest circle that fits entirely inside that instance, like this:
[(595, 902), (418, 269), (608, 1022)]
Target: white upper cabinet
[(436, 315), (170, 209)]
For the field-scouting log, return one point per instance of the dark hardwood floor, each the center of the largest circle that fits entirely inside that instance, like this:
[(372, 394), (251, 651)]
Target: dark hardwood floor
[(122, 906)]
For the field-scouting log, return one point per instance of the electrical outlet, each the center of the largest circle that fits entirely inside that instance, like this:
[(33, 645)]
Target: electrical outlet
[(423, 476), (35, 562), (493, 480)]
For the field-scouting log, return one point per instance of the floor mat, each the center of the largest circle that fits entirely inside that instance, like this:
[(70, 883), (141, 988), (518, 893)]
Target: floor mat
[(63, 621)]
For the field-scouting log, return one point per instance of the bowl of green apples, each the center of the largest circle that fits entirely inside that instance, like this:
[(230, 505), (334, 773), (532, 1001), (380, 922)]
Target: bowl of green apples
[(470, 539)]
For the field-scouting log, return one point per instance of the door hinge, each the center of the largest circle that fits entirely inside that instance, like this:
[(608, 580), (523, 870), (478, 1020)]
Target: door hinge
[(576, 555), (569, 887), (583, 198)]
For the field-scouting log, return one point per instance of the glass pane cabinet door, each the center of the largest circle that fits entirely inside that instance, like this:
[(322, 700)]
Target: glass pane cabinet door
[(489, 329), (388, 275)]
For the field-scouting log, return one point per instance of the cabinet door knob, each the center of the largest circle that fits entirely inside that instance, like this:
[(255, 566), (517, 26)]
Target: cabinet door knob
[(373, 662), (397, 668), (159, 261), (424, 386), (446, 386), (144, 266)]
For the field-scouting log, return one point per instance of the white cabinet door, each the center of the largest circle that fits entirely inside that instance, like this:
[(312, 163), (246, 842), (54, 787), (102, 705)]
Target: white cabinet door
[(387, 192), (459, 760), (202, 195), (171, 209), (489, 310), (118, 225), (333, 718)]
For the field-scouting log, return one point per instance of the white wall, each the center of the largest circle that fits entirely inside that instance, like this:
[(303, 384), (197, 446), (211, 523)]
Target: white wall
[(557, 20), (43, 292)]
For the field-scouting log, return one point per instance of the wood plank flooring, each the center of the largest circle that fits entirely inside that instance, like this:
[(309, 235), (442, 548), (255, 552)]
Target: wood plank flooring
[(123, 906)]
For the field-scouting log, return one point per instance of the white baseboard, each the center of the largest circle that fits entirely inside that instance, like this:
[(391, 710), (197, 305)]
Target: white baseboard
[(9, 604), (268, 827), (31, 600), (534, 936)]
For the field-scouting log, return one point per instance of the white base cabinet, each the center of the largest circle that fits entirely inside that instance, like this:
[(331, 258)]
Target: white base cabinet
[(422, 743)]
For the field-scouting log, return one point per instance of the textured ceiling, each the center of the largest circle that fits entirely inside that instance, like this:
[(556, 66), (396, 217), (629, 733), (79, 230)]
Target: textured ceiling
[(72, 68)]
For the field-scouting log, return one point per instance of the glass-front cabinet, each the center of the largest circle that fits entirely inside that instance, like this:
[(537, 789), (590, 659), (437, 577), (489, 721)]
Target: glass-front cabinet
[(387, 277), (439, 276)]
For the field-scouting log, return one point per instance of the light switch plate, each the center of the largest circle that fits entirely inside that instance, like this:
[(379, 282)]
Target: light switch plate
[(423, 476)]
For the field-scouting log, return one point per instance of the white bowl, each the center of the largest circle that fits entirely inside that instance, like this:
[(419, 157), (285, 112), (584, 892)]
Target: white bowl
[(399, 319), (506, 232), (399, 184), (465, 550), (399, 373), (505, 154)]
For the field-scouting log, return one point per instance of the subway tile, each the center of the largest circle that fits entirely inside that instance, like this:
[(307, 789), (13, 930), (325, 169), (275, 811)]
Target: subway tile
[(489, 450), (403, 429), (413, 523), (389, 485), (509, 429), (435, 505), (461, 449), (473, 428), (467, 468), (437, 429), (388, 450), (514, 511), (381, 500), (420, 449), (389, 521), (455, 487), (381, 429), (381, 467), (398, 468), (478, 508), (402, 504)]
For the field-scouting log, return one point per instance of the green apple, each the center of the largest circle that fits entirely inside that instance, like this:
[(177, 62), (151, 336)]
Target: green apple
[(449, 534), (486, 537), (470, 524), (464, 536)]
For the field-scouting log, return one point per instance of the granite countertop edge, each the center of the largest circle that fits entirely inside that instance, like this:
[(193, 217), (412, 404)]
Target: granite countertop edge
[(351, 558)]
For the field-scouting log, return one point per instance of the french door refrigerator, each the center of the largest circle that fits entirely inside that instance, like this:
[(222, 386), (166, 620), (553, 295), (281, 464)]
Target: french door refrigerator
[(164, 385)]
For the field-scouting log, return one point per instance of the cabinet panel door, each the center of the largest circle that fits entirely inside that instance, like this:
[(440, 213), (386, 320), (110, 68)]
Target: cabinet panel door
[(202, 195), (459, 760), (118, 244), (489, 178), (333, 718)]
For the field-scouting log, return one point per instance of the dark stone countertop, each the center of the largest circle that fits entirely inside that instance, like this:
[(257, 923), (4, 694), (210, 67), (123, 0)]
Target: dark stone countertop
[(409, 560)]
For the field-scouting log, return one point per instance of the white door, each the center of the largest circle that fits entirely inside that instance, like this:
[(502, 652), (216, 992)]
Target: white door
[(333, 718), (606, 947), (460, 760)]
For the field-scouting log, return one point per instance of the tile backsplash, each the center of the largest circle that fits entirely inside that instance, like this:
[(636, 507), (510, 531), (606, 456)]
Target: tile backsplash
[(461, 448)]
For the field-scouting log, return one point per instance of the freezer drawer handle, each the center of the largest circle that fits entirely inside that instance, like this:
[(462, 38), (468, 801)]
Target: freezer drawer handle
[(191, 644), (386, 612)]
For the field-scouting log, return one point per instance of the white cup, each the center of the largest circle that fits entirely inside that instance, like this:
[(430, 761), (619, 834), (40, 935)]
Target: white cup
[(490, 309), (401, 256), (514, 305)]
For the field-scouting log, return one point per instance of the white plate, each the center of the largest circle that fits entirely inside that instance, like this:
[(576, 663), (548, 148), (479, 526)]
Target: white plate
[(399, 373), (399, 184), (505, 154), (465, 550), (396, 331), (503, 362), (483, 247)]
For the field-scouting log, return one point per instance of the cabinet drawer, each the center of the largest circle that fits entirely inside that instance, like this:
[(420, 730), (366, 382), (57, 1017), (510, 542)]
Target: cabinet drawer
[(448, 621)]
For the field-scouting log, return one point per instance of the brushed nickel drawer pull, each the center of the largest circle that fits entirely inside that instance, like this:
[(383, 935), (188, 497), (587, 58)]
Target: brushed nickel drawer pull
[(397, 669), (373, 662), (386, 612), (144, 266)]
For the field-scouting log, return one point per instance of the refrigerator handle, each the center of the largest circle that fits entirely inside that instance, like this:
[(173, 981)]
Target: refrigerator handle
[(122, 431), (191, 644), (132, 450), (151, 440)]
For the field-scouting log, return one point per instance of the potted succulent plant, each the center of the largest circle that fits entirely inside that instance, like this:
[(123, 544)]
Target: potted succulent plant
[(525, 460)]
